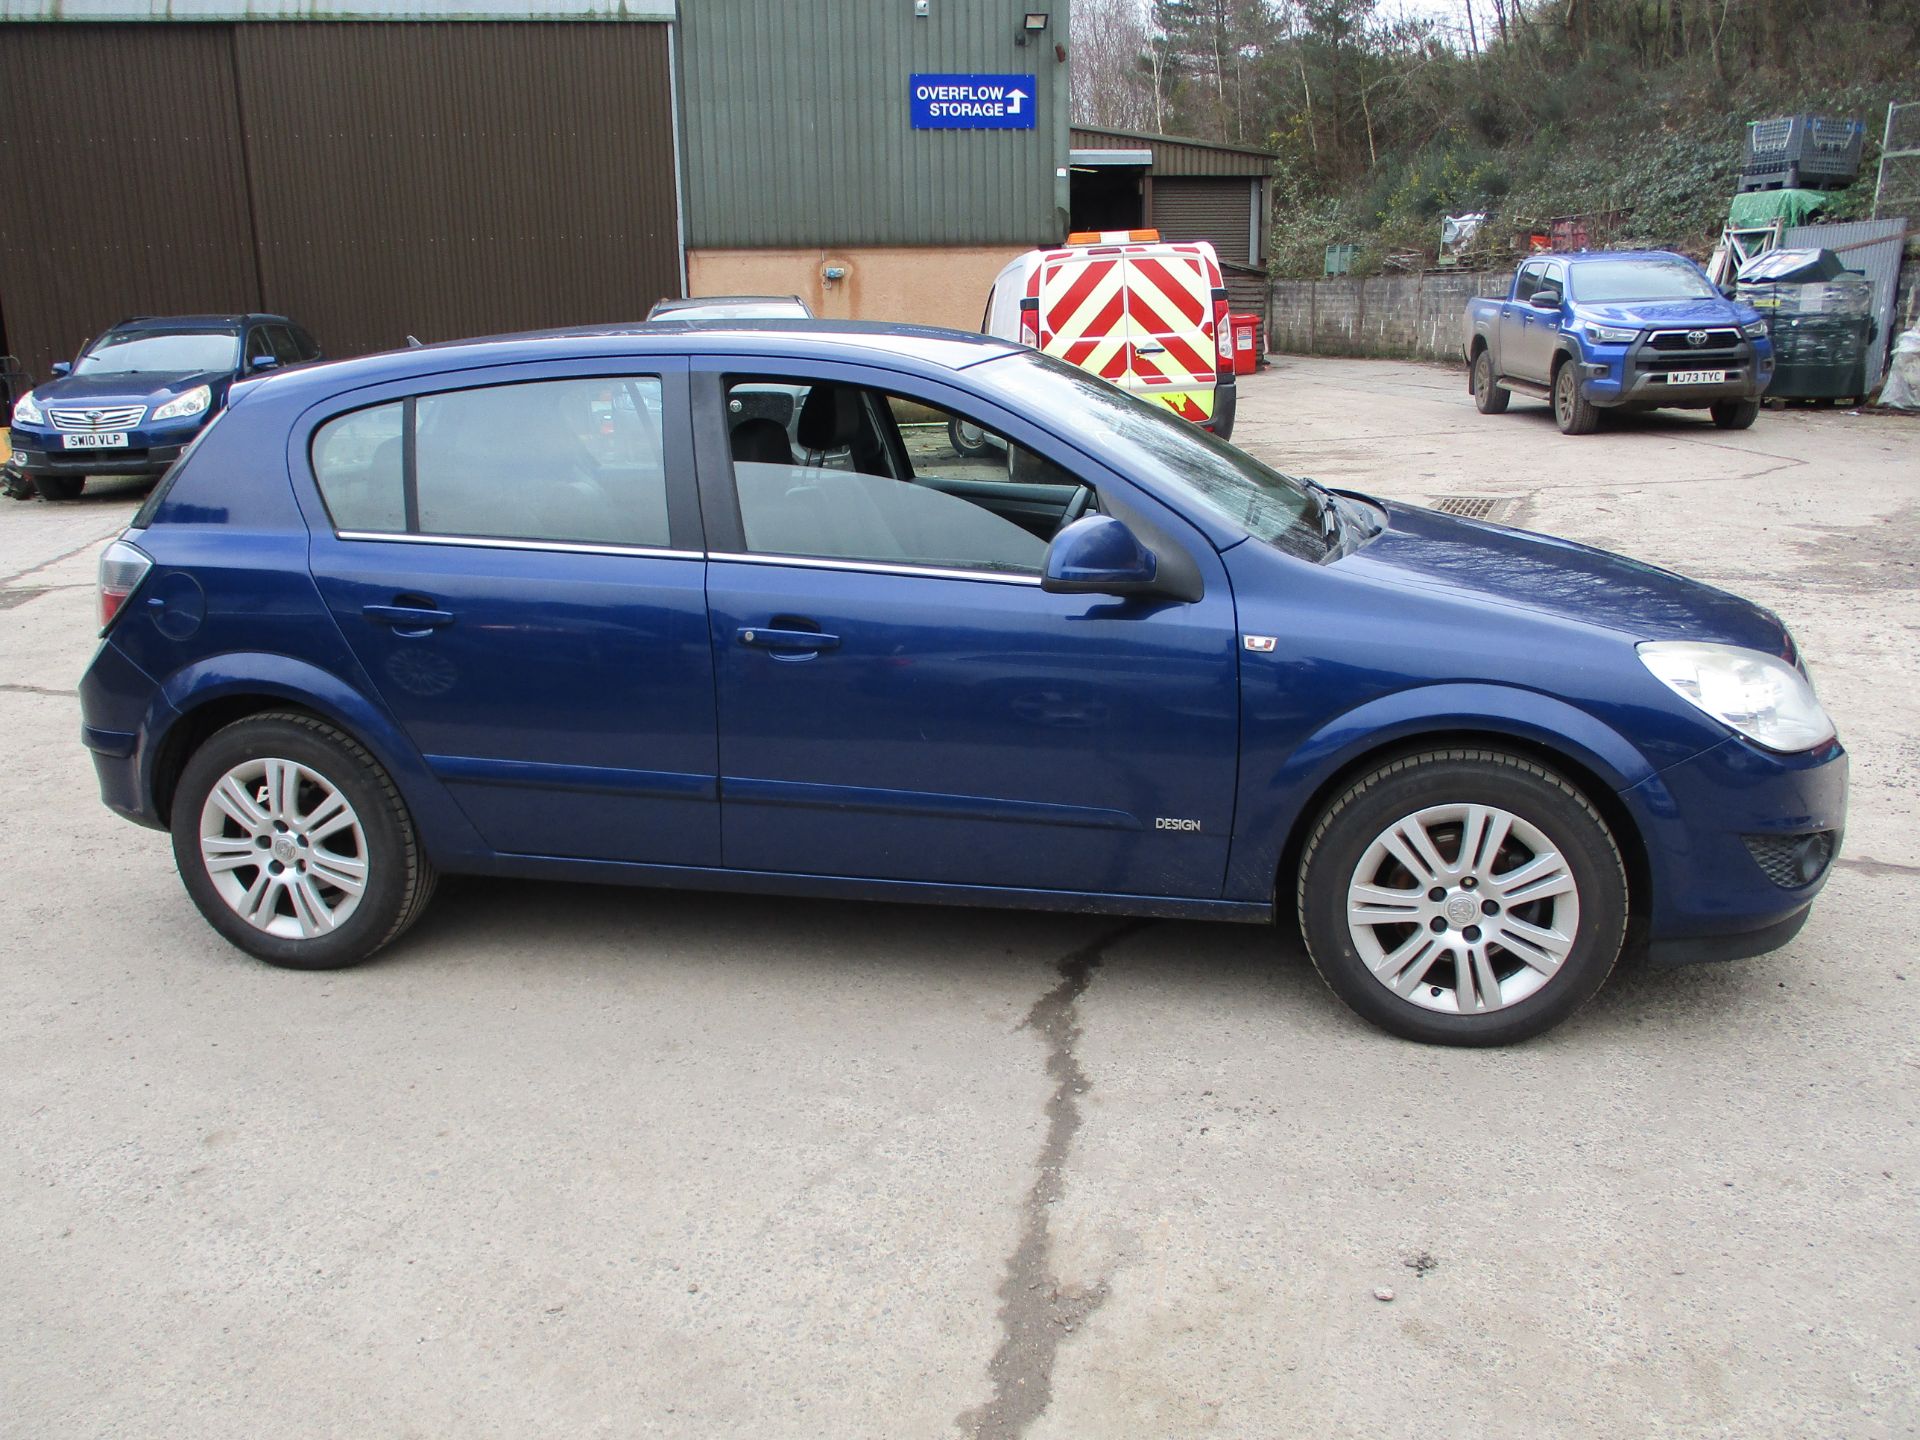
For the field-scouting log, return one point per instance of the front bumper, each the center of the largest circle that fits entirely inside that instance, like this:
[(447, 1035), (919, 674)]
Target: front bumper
[(1640, 375), (1711, 822), (147, 452)]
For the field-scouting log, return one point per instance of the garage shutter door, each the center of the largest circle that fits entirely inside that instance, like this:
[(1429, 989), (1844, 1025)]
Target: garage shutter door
[(1219, 211)]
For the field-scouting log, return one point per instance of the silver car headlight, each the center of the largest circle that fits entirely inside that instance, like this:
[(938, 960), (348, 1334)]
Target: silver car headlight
[(1611, 334), (25, 410), (1754, 329), (188, 402), (1757, 694)]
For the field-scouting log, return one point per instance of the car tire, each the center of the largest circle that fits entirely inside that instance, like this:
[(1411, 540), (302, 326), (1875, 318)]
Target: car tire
[(967, 439), (1735, 414), (1488, 398), (58, 487), (1576, 414), (329, 816), (1427, 969)]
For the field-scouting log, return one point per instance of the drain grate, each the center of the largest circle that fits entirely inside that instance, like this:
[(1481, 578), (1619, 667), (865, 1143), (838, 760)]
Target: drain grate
[(1478, 507)]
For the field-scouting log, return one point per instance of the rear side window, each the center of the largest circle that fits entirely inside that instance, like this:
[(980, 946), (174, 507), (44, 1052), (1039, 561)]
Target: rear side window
[(562, 461), (285, 349)]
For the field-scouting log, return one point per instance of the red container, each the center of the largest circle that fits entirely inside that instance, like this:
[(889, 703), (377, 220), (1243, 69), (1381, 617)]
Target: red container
[(1246, 351)]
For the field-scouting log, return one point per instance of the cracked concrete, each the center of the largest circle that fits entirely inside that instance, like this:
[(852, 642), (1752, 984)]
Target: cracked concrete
[(1036, 1311)]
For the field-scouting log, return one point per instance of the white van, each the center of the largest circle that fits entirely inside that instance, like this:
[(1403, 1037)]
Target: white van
[(1148, 314)]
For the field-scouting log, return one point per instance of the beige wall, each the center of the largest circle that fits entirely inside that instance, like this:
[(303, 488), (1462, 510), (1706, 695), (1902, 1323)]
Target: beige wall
[(926, 286)]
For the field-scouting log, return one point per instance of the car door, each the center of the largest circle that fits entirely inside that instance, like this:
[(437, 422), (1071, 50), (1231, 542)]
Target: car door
[(1542, 334), (513, 557), (898, 697)]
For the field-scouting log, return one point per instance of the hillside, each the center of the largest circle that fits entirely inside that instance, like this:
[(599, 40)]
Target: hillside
[(1527, 109)]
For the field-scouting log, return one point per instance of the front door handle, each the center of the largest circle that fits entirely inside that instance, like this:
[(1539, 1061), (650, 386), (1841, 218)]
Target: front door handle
[(768, 638), (407, 619)]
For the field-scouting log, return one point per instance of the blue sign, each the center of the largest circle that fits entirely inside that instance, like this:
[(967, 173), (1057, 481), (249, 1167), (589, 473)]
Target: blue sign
[(971, 102)]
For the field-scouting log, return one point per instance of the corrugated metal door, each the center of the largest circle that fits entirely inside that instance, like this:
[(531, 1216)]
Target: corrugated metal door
[(1220, 211), (459, 179), (125, 190)]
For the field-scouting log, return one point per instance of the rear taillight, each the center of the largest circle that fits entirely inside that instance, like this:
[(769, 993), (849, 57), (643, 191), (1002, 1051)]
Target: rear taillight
[(122, 568), (1030, 323), (1223, 334)]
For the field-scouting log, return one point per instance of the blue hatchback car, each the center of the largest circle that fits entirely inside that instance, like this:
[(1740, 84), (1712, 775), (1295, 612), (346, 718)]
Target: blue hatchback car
[(720, 606), (140, 392)]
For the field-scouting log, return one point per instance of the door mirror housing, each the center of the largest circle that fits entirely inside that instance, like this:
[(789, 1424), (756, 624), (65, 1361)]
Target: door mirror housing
[(61, 368), (1099, 555), (261, 362), (1544, 299)]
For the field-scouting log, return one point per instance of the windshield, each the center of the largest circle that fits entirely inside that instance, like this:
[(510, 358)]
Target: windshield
[(135, 352), (1601, 282), (1176, 455)]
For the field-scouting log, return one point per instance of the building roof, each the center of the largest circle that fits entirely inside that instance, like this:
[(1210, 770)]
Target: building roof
[(1179, 154)]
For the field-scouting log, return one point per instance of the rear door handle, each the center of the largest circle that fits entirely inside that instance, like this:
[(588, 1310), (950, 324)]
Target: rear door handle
[(766, 638), (407, 619), (1151, 347)]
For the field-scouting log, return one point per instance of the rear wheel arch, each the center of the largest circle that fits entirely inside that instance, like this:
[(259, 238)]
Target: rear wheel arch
[(202, 722), (1577, 773)]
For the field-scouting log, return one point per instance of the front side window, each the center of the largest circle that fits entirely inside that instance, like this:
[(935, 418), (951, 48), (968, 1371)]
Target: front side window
[(1528, 282), (1178, 458), (563, 461), (844, 472), (142, 352)]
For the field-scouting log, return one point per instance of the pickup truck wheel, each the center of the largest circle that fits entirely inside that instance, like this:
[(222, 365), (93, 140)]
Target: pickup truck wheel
[(1463, 897), (1488, 398), (1577, 414), (1735, 414)]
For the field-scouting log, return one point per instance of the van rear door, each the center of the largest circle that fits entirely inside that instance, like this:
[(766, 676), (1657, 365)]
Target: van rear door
[(1170, 328)]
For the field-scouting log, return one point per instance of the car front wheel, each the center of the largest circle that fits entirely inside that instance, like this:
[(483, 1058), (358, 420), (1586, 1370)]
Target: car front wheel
[(1734, 414), (1463, 897), (296, 846), (58, 487), (1576, 414)]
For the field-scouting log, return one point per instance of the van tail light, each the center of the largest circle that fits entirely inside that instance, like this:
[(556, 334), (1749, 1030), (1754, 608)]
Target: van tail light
[(122, 568), (1222, 329), (1030, 322)]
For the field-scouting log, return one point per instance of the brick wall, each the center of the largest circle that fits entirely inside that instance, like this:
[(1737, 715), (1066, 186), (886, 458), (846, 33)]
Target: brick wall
[(1402, 316)]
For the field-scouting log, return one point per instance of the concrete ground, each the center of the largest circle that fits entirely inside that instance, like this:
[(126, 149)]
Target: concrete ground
[(601, 1162)]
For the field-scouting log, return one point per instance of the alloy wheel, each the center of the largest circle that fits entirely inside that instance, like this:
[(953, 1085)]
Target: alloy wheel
[(284, 848), (1463, 909)]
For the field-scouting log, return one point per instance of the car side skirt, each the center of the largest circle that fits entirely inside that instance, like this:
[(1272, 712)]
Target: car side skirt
[(908, 892)]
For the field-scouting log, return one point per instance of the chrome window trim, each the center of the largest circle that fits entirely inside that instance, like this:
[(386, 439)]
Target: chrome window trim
[(877, 567), (490, 542)]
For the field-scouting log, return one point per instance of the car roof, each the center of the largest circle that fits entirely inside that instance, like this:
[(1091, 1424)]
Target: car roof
[(922, 346), (197, 322), (1577, 256)]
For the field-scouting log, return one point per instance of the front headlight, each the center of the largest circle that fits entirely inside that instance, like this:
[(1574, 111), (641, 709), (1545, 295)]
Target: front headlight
[(1754, 329), (1760, 695), (1611, 334), (25, 410), (181, 406)]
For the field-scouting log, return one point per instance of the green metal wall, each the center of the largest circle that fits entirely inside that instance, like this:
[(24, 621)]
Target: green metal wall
[(797, 133)]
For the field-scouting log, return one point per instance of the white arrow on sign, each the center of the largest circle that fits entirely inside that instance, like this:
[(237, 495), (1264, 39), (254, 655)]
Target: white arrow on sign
[(1014, 97)]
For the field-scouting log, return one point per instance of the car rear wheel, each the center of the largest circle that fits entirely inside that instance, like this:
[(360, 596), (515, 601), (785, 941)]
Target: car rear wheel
[(1576, 414), (1735, 414), (1463, 897), (295, 844), (58, 487), (1488, 398)]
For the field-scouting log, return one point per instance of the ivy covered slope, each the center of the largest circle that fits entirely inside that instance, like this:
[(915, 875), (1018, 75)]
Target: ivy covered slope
[(1388, 114)]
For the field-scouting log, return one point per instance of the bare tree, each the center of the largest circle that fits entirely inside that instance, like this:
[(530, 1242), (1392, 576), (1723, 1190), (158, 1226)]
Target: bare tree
[(1115, 71)]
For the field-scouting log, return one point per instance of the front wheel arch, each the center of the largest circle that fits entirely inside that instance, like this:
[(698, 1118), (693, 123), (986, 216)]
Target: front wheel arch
[(1599, 794)]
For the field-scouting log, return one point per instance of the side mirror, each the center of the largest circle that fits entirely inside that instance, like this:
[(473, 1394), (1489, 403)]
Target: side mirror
[(1098, 555), (261, 362), (61, 368), (1544, 300)]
